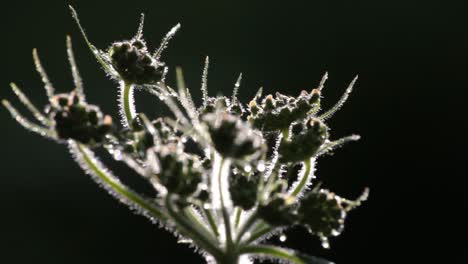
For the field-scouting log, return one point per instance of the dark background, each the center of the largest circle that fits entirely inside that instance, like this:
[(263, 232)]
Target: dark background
[(409, 105)]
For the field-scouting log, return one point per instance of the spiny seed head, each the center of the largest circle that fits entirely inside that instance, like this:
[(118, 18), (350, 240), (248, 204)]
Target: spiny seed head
[(233, 137), (179, 173), (322, 212), (280, 210), (304, 142), (134, 63), (243, 190), (79, 121), (281, 111)]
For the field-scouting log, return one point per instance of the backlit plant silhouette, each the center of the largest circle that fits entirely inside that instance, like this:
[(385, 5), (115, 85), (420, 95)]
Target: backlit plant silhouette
[(228, 175)]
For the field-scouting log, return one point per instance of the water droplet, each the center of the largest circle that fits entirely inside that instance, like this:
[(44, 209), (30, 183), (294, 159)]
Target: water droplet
[(184, 241), (261, 166), (117, 154), (325, 242), (248, 168), (283, 238)]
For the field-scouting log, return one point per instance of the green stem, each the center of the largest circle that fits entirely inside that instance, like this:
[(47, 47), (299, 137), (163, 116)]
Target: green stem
[(305, 178), (211, 222), (224, 212), (131, 198), (197, 223), (238, 216), (262, 230), (246, 226), (189, 230), (127, 104)]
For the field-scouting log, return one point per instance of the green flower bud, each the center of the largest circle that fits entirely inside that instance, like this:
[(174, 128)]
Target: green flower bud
[(322, 212), (179, 173), (304, 143), (134, 63), (79, 121), (233, 137), (243, 190), (281, 111), (279, 211)]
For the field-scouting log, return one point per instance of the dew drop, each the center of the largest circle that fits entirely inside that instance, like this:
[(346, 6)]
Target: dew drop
[(248, 168), (184, 241), (261, 166), (325, 242), (283, 238), (117, 154)]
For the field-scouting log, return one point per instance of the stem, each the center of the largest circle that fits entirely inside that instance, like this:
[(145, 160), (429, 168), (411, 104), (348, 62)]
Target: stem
[(110, 182), (189, 229), (197, 223), (262, 230), (246, 226), (127, 108), (305, 178), (238, 216), (211, 221), (224, 212)]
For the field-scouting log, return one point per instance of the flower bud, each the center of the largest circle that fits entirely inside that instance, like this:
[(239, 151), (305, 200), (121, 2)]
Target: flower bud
[(179, 173), (79, 121), (305, 144), (243, 190), (233, 137), (321, 211), (134, 63), (279, 211)]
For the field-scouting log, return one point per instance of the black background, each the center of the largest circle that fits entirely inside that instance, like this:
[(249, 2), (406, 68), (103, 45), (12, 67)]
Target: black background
[(409, 105)]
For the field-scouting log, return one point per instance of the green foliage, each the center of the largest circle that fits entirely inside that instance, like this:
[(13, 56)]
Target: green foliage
[(218, 169)]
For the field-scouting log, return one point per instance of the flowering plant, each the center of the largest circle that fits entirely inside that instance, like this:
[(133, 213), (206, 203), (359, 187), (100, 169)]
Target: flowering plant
[(228, 175)]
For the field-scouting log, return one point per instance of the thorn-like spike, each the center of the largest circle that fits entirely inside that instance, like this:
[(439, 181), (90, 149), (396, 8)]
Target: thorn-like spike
[(165, 41), (235, 92), (31, 107), (139, 34), (83, 33), (45, 79), (204, 85), (150, 127), (351, 204), (92, 48), (258, 94), (26, 123), (184, 96), (332, 145), (340, 103), (180, 80), (77, 81), (322, 81), (169, 93)]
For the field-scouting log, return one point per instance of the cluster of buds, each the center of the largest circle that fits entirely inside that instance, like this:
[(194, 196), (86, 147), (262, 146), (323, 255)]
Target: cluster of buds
[(226, 176), (232, 137), (279, 112), (78, 121), (180, 173), (132, 60)]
